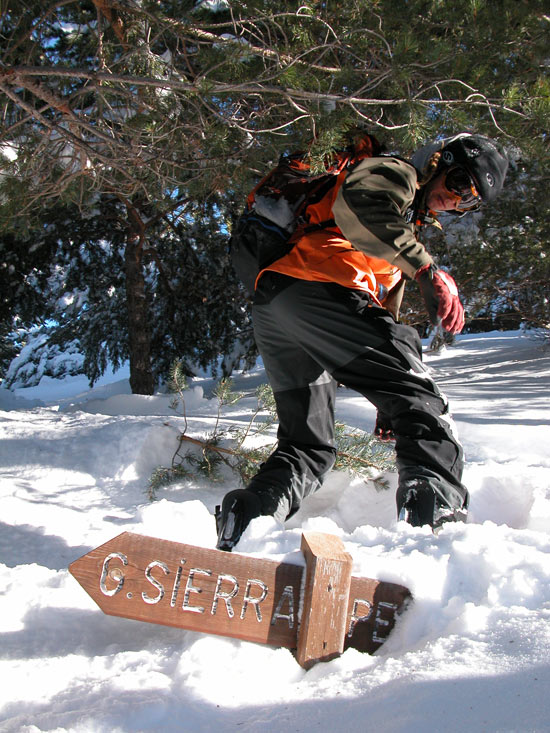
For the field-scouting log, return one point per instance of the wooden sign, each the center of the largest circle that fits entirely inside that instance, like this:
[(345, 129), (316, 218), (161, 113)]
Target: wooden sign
[(318, 610)]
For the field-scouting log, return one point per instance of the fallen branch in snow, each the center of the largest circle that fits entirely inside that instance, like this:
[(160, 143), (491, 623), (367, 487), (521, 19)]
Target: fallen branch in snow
[(209, 445), (358, 452)]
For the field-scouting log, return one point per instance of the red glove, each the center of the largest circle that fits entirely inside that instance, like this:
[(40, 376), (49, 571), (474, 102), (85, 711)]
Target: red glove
[(441, 298)]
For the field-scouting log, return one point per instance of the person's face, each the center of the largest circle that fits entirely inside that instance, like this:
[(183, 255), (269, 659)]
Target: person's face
[(452, 190), (438, 197)]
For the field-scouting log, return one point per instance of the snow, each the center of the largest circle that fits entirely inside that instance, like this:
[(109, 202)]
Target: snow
[(471, 653)]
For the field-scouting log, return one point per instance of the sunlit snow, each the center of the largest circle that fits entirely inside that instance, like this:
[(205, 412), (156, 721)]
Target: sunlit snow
[(471, 653)]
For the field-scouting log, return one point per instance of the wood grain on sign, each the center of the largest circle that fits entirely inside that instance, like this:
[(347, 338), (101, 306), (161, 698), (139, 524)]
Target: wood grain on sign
[(247, 598), (194, 588), (324, 614)]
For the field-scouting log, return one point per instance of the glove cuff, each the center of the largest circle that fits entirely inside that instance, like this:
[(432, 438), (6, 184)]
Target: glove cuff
[(425, 269)]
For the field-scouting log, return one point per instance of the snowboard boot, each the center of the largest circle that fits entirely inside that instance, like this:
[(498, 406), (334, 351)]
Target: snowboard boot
[(418, 508), (443, 514), (421, 506), (238, 509)]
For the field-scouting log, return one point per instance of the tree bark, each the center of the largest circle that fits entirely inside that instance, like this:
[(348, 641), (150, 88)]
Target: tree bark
[(139, 332)]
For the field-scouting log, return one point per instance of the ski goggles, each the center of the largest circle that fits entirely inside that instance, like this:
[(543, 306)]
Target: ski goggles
[(460, 184)]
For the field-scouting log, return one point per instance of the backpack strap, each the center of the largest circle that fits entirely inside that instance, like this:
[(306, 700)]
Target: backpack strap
[(327, 224)]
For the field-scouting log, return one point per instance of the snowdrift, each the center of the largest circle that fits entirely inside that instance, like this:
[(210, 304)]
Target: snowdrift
[(471, 652)]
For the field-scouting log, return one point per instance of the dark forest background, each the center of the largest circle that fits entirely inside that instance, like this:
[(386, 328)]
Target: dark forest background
[(132, 132)]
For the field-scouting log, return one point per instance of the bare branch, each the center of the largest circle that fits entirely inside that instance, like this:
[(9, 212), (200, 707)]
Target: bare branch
[(254, 88)]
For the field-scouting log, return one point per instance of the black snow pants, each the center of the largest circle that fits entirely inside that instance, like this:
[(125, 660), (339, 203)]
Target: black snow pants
[(311, 337)]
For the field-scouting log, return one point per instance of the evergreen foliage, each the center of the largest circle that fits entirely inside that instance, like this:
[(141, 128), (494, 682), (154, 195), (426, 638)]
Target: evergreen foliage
[(144, 99), (243, 450), (164, 114), (42, 357), (197, 309), (499, 258)]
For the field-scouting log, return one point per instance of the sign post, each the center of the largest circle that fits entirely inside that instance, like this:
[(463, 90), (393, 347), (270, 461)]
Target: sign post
[(318, 610)]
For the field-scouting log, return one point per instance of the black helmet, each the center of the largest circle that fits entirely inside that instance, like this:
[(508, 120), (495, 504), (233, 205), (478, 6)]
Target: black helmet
[(482, 157)]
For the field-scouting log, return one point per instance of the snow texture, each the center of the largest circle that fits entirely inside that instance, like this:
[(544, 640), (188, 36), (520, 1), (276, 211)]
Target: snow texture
[(38, 358), (471, 653)]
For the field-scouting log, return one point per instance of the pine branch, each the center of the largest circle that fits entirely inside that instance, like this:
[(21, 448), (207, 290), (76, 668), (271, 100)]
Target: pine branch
[(208, 445), (356, 451), (357, 459)]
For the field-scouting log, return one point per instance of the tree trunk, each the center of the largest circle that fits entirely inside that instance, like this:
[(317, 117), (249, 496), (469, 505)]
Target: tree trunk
[(139, 332)]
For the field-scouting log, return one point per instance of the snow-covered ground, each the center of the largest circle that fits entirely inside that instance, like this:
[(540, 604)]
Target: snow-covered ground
[(472, 652)]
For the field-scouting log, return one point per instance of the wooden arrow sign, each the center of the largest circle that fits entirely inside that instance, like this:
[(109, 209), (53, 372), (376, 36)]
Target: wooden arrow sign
[(319, 612)]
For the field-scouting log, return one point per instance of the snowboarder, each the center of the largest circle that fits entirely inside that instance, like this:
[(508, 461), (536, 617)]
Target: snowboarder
[(327, 313)]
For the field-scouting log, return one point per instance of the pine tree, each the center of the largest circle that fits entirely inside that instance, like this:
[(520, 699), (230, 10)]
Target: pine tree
[(159, 103), (196, 307), (140, 100)]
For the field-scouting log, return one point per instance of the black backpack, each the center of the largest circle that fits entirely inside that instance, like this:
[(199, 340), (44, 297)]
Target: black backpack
[(256, 242)]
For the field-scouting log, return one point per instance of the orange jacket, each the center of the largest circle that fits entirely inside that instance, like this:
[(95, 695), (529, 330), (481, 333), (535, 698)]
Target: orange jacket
[(372, 243), (326, 256)]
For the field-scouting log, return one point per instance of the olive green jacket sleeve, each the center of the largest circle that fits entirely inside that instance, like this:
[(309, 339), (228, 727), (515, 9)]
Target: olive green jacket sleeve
[(370, 211)]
